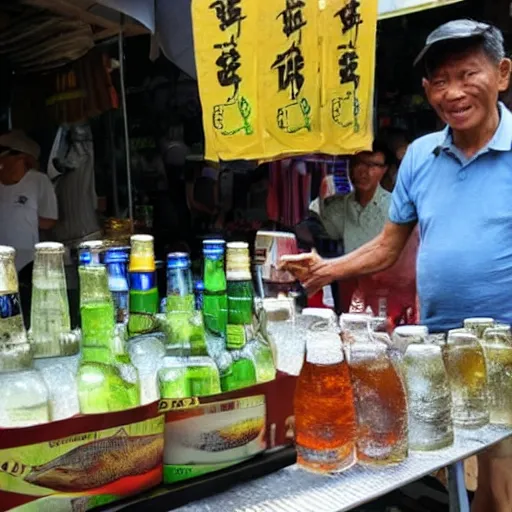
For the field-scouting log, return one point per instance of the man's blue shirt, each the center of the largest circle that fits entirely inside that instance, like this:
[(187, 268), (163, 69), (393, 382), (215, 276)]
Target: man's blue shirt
[(464, 210)]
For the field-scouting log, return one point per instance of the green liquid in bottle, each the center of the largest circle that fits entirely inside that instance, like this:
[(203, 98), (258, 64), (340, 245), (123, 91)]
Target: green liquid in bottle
[(242, 374), (97, 323), (215, 301)]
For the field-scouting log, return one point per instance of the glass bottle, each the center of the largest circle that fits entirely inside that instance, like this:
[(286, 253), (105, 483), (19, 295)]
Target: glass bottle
[(240, 296), (147, 353), (89, 253), (237, 370), (101, 383), (144, 299), (184, 324), (24, 400), (497, 344), (127, 370), (215, 300), (324, 403), (172, 377), (477, 326), (381, 405), (288, 337), (50, 308), (428, 395), (404, 335), (467, 373), (355, 327), (116, 261)]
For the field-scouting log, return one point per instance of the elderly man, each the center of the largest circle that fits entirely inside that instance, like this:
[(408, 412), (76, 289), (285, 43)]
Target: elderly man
[(456, 184)]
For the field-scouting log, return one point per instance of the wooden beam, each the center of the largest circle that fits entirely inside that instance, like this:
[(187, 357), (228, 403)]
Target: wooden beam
[(70, 10)]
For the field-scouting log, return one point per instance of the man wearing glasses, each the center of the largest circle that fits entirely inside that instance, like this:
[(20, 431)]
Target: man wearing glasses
[(27, 204)]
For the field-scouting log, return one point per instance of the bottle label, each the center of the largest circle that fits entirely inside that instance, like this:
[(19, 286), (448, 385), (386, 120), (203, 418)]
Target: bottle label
[(142, 281), (237, 336), (10, 305)]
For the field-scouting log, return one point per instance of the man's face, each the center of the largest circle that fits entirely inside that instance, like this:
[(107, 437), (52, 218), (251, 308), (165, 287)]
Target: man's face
[(367, 170), (12, 166), (464, 89)]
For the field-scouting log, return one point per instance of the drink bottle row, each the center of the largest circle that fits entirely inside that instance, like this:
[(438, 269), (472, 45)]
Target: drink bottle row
[(128, 352), (369, 398)]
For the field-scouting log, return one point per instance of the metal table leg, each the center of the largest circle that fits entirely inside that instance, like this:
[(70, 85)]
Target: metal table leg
[(459, 501)]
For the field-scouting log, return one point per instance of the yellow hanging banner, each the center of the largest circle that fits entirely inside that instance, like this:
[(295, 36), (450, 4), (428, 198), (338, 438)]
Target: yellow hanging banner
[(348, 42), (285, 77), (289, 79), (224, 37)]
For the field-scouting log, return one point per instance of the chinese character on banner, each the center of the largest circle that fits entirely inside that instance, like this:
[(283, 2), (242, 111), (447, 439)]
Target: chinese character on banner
[(289, 61), (228, 84), (349, 49)]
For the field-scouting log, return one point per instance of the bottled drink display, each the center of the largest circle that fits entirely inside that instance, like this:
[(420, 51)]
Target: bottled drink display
[(497, 344), (103, 384), (428, 396), (215, 299), (144, 299), (324, 404), (355, 328), (24, 399), (381, 405), (467, 373), (185, 325), (116, 261)]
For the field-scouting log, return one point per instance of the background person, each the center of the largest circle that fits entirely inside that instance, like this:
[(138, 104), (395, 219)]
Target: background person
[(27, 205)]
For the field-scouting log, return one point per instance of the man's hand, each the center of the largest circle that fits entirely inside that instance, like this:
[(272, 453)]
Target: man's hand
[(310, 269)]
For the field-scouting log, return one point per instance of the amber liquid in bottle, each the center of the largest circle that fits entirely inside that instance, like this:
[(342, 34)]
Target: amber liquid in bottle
[(381, 408)]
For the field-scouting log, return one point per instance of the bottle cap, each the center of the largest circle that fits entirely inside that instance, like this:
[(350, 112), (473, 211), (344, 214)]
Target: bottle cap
[(8, 274), (142, 257), (214, 249), (238, 265), (117, 255), (49, 248), (178, 260), (7, 252)]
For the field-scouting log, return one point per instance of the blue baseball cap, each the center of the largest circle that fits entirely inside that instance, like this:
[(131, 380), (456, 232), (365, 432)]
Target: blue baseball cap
[(457, 29)]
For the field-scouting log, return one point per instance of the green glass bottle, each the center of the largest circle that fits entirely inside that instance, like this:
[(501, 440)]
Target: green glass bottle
[(240, 296), (215, 299), (144, 299), (103, 385)]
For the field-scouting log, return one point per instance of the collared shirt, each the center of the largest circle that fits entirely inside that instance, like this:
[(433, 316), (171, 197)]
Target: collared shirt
[(464, 210), (344, 218)]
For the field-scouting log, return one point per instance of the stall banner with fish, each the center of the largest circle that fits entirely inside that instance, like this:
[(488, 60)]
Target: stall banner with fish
[(349, 30), (224, 48), (87, 467), (286, 77), (203, 435)]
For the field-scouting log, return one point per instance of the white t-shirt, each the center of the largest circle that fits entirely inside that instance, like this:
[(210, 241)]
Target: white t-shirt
[(21, 205)]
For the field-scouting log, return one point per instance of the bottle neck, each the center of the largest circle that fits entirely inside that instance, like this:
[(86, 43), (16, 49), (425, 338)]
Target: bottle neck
[(97, 355), (179, 283), (214, 275)]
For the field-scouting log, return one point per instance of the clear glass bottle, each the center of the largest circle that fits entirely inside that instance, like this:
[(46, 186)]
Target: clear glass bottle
[(467, 373), (404, 335), (288, 338), (50, 308), (147, 353), (428, 396), (89, 252), (184, 324), (497, 344), (477, 326), (355, 328), (325, 421), (381, 405), (24, 400)]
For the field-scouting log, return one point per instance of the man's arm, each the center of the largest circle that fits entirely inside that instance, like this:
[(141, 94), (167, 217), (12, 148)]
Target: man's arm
[(377, 255)]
